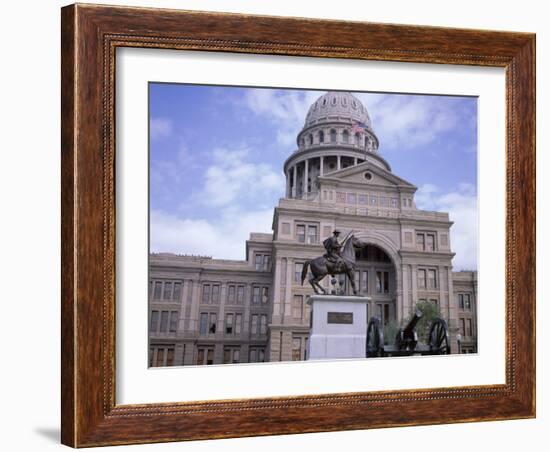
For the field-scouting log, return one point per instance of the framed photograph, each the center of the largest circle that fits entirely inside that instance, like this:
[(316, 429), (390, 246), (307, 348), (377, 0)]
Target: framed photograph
[(282, 225)]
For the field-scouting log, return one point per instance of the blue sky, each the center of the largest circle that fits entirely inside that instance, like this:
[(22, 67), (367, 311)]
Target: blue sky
[(217, 153)]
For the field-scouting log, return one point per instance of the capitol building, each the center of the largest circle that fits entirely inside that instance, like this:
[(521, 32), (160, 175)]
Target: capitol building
[(212, 311)]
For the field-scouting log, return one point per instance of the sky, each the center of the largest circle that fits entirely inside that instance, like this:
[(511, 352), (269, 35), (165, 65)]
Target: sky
[(217, 154)]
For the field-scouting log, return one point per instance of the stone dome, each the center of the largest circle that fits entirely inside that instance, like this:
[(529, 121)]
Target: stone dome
[(337, 103)]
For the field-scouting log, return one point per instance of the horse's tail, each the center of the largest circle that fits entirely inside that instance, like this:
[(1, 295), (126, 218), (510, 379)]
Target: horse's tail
[(304, 271)]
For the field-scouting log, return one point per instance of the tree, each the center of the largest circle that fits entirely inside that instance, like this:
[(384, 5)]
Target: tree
[(430, 312)]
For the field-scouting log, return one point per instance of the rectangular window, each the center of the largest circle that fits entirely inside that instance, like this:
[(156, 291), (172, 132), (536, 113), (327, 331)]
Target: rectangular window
[(297, 307), (383, 201), (240, 294), (215, 293), (255, 295), (200, 356), (203, 323), (365, 281), (420, 245), (301, 233), (463, 327), (430, 242), (158, 290), (267, 263), (177, 291), (296, 349), (259, 262), (312, 234), (382, 282), (229, 324), (254, 325), (236, 356), (265, 295), (432, 280), (212, 323), (173, 321), (362, 200), (170, 357), (263, 324), (357, 279), (467, 304), (164, 321), (210, 356), (394, 202), (261, 355), (160, 357), (206, 293), (154, 321), (352, 198), (298, 266), (167, 291), (252, 355), (421, 279), (461, 301), (238, 323), (373, 200), (469, 327), (227, 356), (231, 294)]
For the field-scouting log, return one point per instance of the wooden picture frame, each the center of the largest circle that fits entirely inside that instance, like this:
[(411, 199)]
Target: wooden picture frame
[(90, 36)]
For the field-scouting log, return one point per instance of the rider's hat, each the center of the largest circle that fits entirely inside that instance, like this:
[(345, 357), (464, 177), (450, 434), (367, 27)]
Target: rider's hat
[(336, 231)]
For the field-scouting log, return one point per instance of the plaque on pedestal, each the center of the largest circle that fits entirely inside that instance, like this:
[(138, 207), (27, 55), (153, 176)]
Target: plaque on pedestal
[(338, 327)]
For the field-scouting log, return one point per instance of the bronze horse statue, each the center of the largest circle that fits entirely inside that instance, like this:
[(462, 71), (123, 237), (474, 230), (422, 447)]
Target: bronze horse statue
[(321, 266)]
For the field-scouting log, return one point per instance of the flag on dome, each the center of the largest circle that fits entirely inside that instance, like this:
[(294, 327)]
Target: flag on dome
[(358, 126)]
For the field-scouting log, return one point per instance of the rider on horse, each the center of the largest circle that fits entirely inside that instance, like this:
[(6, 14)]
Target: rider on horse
[(333, 247)]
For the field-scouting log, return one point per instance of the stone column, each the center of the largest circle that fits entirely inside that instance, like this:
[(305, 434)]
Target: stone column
[(287, 194), (294, 181), (306, 170), (338, 165), (321, 167), (414, 278), (355, 161)]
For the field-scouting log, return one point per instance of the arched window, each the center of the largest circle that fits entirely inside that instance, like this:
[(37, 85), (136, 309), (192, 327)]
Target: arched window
[(321, 136), (345, 137), (333, 136), (310, 139), (366, 142), (357, 139), (302, 143)]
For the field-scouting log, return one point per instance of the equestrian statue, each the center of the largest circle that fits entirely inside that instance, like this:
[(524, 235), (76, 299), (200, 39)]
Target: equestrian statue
[(339, 259)]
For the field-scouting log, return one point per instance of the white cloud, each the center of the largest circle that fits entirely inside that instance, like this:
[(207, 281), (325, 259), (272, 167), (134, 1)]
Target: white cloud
[(231, 178), (160, 127), (406, 122), (286, 110), (462, 207), (223, 239)]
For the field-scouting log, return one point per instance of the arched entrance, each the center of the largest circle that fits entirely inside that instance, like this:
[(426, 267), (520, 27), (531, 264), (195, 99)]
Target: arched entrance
[(376, 276)]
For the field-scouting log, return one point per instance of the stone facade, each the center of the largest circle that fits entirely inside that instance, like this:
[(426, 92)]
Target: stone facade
[(210, 311)]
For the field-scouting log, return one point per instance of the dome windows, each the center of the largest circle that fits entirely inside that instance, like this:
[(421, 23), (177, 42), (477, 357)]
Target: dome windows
[(325, 102), (321, 136), (344, 101), (345, 137), (354, 104), (357, 139), (310, 139), (334, 101), (332, 136), (368, 175)]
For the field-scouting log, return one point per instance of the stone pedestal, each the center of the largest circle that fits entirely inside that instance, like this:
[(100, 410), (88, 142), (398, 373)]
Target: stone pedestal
[(338, 327)]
